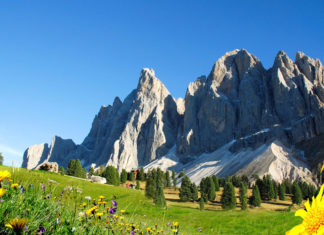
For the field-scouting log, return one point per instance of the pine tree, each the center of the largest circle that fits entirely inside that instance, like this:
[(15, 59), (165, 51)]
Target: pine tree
[(1, 159), (131, 176), (203, 187), (194, 192), (138, 186), (282, 191), (243, 197), (255, 200), (297, 194), (228, 199), (141, 174), (111, 174), (91, 171), (123, 176), (275, 189), (201, 204), (245, 179), (174, 180), (167, 179), (211, 189), (78, 169), (185, 193), (84, 173), (304, 189), (159, 198), (71, 167), (61, 170), (216, 183), (150, 186)]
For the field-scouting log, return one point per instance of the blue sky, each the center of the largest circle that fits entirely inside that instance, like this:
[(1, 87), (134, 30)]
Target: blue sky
[(61, 60)]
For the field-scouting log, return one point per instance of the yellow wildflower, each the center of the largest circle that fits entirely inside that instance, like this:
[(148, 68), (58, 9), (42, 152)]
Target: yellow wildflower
[(99, 214), (17, 224), (2, 192), (14, 185), (149, 230), (121, 217), (174, 230), (5, 175), (176, 224), (313, 216), (122, 211)]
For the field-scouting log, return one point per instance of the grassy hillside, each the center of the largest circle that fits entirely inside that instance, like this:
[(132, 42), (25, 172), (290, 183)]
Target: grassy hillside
[(140, 210)]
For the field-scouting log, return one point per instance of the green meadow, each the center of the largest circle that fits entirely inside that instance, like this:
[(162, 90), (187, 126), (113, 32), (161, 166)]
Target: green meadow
[(138, 210)]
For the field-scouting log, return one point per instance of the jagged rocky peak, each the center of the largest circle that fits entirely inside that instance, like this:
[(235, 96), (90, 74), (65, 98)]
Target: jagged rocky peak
[(312, 69), (34, 155), (151, 86)]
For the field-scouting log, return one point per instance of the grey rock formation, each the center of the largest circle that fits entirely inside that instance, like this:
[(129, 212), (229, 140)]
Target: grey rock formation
[(239, 100), (48, 166), (98, 179)]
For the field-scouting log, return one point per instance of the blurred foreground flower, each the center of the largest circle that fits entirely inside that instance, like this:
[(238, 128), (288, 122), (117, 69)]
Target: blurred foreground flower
[(17, 225), (5, 175), (2, 192), (313, 216)]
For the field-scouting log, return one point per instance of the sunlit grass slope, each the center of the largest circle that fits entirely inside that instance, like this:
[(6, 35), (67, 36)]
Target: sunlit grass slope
[(142, 210)]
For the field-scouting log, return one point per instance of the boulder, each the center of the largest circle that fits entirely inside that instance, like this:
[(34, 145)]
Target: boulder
[(48, 166), (98, 179)]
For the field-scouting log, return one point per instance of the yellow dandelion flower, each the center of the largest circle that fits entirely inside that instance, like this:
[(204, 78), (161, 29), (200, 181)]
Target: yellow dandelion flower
[(123, 211), (5, 175), (313, 217), (17, 224), (14, 185), (149, 230), (121, 217), (174, 230), (2, 192), (99, 215), (176, 224), (84, 204)]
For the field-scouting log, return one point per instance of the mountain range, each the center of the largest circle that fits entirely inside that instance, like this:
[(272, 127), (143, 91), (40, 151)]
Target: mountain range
[(240, 119)]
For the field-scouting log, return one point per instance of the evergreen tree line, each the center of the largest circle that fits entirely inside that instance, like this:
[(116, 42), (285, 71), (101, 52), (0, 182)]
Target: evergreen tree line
[(74, 168), (156, 180)]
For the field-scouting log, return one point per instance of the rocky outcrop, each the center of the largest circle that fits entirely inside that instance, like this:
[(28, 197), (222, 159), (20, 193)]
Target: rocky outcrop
[(58, 151), (98, 179), (238, 101), (48, 166)]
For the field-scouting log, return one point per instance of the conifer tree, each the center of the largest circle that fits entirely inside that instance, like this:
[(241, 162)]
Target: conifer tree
[(194, 192), (123, 176), (78, 169), (91, 171), (61, 170), (243, 197), (84, 173), (203, 187), (1, 159), (228, 199), (210, 189), (167, 179), (304, 189), (131, 176), (216, 183), (185, 193), (174, 180), (138, 186), (201, 204), (245, 179), (275, 189), (111, 174), (159, 198), (150, 186), (71, 167), (255, 200), (297, 194), (141, 174), (282, 191)]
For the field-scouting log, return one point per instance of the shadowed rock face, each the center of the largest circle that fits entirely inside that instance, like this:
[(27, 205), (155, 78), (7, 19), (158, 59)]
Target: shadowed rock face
[(239, 100)]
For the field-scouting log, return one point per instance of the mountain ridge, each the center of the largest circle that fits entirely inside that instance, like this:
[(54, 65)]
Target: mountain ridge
[(239, 98)]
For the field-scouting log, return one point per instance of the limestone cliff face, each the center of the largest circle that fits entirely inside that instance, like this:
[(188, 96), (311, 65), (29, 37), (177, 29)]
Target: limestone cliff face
[(238, 101), (241, 99)]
